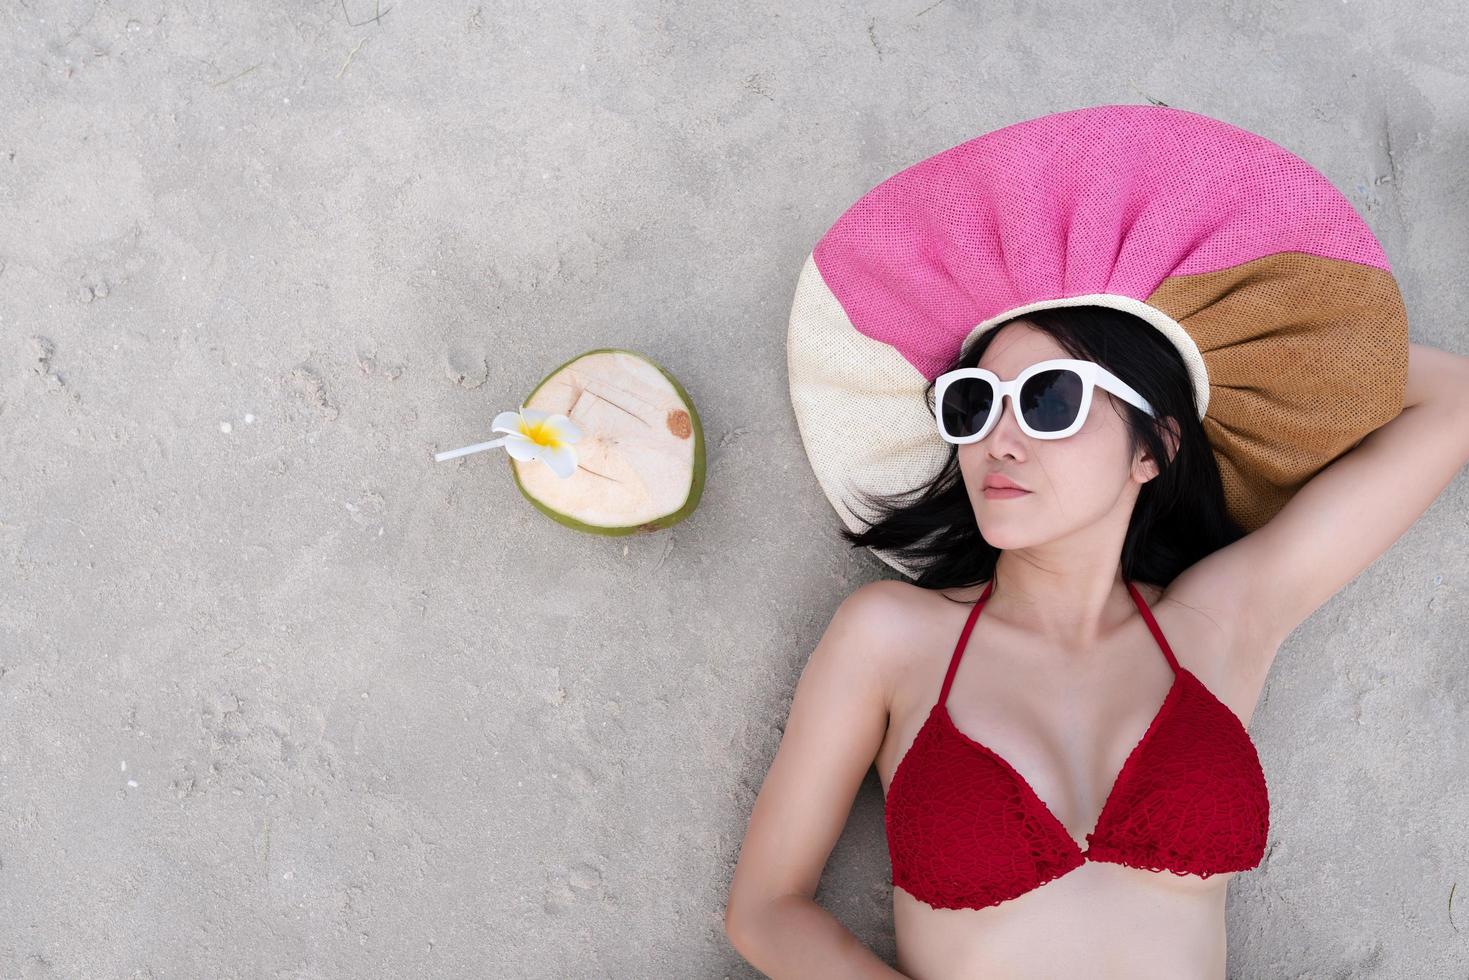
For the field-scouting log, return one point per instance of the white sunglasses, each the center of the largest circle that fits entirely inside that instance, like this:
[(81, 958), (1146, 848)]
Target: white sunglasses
[(1051, 399)]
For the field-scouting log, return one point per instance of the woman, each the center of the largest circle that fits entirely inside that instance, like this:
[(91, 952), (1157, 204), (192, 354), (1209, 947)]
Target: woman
[(1064, 675)]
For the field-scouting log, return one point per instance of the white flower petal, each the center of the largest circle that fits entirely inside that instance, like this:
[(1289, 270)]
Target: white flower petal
[(534, 415), (565, 429), (561, 459), (506, 422), (521, 448)]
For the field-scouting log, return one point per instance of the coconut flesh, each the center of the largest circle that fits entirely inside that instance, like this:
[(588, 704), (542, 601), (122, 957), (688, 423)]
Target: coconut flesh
[(640, 459)]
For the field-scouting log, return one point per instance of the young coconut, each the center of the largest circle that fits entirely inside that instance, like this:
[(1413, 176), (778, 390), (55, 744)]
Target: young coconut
[(620, 440)]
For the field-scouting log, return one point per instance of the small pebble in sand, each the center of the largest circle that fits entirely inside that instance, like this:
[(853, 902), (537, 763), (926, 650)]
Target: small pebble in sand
[(225, 427), (249, 419)]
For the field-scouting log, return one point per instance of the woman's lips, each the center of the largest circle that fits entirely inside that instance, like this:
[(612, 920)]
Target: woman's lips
[(1003, 493)]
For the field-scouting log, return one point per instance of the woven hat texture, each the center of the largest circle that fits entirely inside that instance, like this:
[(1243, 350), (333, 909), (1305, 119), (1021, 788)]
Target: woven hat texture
[(1258, 270)]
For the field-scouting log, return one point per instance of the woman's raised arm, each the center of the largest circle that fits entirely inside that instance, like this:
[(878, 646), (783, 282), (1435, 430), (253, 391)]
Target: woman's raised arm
[(1350, 513)]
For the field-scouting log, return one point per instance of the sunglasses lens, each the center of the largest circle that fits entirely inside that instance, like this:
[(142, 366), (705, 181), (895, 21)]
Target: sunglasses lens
[(1051, 399), (966, 406)]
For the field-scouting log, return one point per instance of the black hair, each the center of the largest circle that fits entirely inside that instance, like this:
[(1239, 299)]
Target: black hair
[(1180, 514)]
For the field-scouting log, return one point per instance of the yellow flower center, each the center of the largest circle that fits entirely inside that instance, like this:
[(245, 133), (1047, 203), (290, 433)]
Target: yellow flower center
[(540, 433)]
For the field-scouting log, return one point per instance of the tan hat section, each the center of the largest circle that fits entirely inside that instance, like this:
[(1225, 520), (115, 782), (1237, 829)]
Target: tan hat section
[(1333, 324)]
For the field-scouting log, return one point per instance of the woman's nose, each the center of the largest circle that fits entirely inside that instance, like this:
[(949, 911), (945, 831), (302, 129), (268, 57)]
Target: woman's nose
[(1006, 433)]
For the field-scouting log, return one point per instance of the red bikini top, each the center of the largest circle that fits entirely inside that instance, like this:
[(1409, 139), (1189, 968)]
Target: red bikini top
[(965, 829)]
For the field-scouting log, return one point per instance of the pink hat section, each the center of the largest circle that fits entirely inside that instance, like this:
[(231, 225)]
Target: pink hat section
[(1108, 199)]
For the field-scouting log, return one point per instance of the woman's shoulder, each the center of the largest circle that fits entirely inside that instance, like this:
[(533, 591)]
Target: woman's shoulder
[(907, 629), (890, 611), (903, 618)]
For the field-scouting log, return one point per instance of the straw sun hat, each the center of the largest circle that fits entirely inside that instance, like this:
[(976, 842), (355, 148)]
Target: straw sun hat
[(1253, 265)]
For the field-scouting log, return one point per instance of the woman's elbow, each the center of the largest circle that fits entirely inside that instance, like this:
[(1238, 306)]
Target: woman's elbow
[(737, 919)]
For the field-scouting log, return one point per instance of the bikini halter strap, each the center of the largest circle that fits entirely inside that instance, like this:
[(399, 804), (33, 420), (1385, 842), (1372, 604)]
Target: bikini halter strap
[(963, 639), (1142, 607)]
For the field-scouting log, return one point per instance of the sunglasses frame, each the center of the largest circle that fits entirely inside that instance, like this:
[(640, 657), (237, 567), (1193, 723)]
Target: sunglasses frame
[(1092, 376)]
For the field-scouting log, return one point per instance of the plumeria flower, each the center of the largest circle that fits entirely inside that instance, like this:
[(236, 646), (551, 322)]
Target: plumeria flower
[(532, 434)]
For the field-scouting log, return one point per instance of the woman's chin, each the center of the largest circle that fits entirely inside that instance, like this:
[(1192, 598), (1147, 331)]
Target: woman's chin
[(1004, 535)]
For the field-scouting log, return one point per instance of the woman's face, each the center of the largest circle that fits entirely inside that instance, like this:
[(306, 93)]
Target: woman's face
[(1083, 481)]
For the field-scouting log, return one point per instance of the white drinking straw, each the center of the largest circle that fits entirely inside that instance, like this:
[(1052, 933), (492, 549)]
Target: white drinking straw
[(466, 450)]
